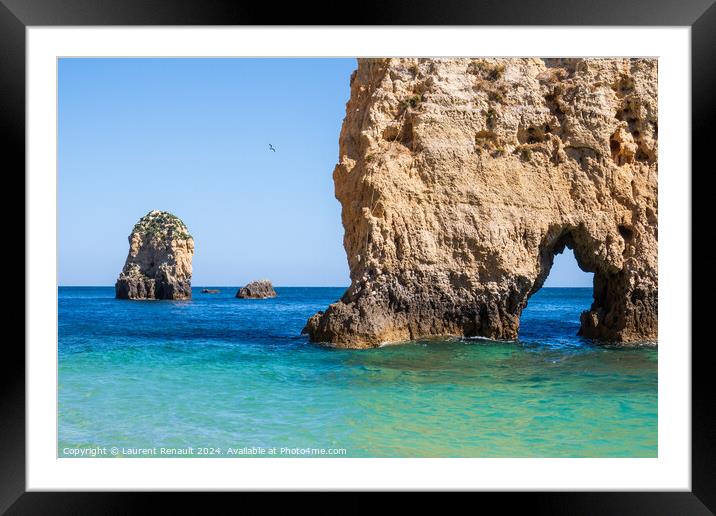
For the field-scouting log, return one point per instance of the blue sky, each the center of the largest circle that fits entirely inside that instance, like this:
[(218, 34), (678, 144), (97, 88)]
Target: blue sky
[(191, 136)]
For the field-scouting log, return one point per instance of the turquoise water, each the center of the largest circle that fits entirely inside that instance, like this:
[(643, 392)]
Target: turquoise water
[(221, 376)]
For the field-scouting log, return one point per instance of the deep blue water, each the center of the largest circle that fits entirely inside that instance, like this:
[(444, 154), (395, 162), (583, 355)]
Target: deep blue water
[(226, 374)]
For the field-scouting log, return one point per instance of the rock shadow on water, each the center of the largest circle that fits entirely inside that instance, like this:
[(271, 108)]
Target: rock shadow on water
[(443, 361)]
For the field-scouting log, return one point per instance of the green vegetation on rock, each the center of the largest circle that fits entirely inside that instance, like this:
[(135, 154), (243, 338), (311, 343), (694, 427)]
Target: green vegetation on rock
[(161, 223)]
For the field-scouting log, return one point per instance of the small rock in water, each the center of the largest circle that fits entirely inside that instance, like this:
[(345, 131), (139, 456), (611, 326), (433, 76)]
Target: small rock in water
[(209, 291), (257, 290)]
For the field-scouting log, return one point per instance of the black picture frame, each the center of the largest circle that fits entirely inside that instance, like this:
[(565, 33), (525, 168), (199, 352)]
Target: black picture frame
[(700, 15)]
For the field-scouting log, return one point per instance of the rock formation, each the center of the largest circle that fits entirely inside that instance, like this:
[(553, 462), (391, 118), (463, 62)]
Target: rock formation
[(159, 262), (261, 289), (460, 179)]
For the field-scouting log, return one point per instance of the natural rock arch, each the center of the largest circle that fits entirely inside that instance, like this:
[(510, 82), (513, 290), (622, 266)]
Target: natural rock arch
[(461, 178), (619, 311)]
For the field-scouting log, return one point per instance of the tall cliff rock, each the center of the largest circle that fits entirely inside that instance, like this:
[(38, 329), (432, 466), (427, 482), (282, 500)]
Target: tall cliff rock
[(159, 262), (460, 179)]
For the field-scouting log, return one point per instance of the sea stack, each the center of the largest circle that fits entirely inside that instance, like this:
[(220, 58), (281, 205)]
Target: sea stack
[(261, 289), (158, 265), (460, 179)]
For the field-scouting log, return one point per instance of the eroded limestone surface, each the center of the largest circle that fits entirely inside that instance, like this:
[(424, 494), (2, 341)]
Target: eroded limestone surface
[(158, 265), (460, 179)]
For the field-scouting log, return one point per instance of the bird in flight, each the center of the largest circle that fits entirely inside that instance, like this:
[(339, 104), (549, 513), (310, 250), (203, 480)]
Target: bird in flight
[(271, 147)]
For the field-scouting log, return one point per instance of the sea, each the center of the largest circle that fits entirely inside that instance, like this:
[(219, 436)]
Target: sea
[(222, 377)]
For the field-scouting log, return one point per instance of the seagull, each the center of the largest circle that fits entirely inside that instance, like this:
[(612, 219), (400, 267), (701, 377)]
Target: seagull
[(271, 147)]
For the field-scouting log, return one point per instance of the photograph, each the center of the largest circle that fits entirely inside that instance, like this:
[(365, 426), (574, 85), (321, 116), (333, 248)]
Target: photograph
[(357, 257)]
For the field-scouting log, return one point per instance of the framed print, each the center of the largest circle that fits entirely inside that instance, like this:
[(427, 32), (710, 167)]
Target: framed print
[(436, 250)]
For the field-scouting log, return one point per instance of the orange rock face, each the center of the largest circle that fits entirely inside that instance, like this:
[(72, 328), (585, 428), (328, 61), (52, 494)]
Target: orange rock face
[(460, 179)]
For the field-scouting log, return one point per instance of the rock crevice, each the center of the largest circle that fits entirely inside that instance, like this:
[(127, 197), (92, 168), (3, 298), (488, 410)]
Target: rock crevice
[(460, 179)]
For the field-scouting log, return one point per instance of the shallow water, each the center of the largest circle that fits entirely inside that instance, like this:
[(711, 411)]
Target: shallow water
[(228, 377)]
